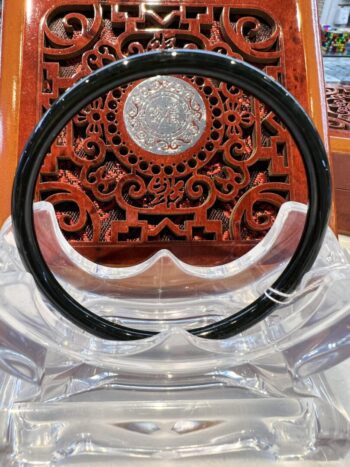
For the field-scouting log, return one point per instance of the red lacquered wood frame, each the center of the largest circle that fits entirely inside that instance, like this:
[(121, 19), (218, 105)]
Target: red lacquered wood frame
[(338, 100)]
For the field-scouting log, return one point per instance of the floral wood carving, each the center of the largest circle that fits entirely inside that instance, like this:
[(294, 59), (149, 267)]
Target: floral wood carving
[(109, 191)]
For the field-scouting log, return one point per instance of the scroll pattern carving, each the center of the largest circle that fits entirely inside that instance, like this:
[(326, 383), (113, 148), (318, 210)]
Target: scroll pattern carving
[(338, 100), (228, 186)]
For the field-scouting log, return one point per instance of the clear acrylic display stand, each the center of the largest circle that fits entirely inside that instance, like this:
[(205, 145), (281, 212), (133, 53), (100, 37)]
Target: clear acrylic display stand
[(69, 398)]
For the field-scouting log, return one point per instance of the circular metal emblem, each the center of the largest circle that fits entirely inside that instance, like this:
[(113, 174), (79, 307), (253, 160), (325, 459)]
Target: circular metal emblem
[(164, 115)]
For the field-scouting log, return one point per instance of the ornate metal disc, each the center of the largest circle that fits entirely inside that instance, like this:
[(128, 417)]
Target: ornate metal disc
[(164, 115)]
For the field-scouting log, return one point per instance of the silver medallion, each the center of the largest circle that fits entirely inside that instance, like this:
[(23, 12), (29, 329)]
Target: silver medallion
[(164, 115)]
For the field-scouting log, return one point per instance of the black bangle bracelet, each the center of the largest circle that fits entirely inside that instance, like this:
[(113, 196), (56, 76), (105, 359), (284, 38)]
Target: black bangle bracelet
[(191, 62)]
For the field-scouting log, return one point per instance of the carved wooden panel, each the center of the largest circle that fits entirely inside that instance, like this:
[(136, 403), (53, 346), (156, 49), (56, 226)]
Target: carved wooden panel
[(109, 191), (338, 101), (46, 46)]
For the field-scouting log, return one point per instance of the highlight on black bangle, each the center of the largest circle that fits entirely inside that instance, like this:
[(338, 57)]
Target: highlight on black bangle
[(187, 119)]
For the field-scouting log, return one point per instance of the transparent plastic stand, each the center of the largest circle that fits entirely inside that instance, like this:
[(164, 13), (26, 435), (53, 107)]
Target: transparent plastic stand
[(278, 391)]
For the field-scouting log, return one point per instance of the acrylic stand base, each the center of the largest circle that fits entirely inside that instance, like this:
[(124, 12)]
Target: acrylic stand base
[(278, 392)]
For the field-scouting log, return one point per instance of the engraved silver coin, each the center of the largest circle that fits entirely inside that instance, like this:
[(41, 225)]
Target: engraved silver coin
[(164, 115)]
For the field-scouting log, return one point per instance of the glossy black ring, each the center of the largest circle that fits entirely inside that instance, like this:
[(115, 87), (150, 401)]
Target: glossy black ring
[(141, 66)]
